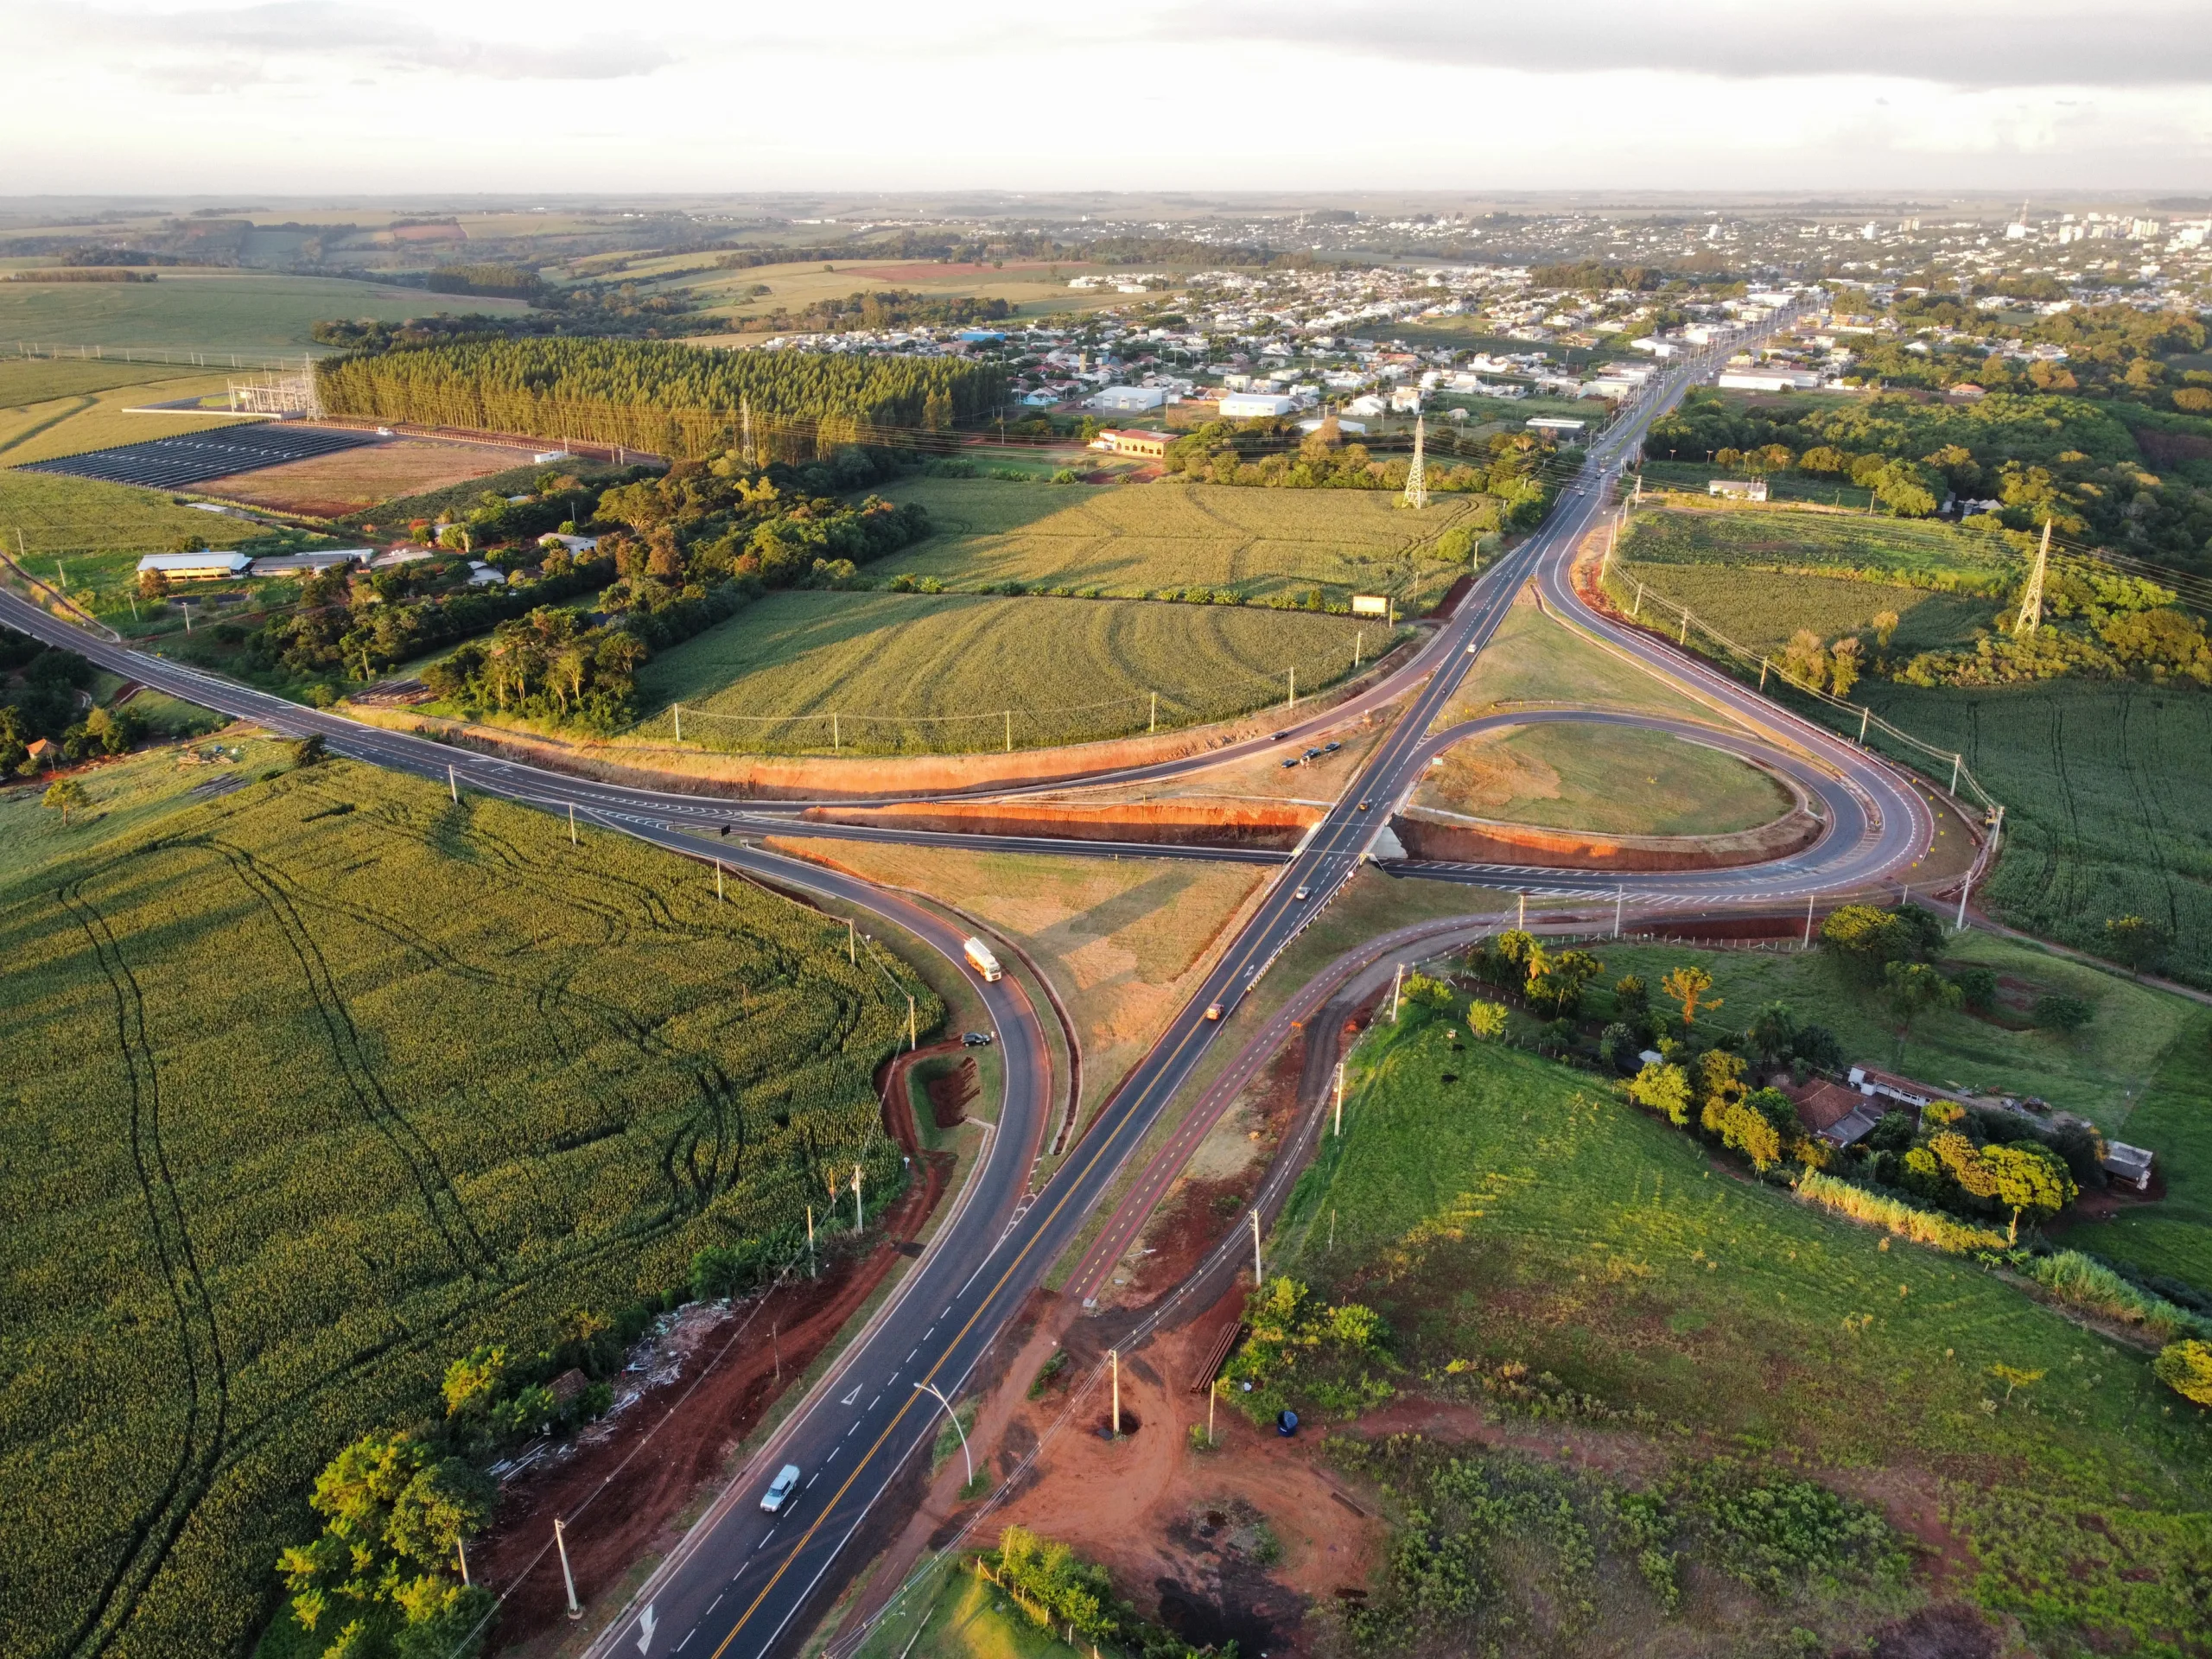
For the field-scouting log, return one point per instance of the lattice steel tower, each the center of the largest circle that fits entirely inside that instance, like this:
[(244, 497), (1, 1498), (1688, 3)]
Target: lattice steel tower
[(1417, 476), (2031, 601)]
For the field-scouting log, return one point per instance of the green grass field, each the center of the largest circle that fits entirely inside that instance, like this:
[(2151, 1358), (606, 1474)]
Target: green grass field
[(1134, 540), (250, 312), (923, 673), (1912, 553), (1694, 477), (1614, 779), (24, 381), (1761, 609), (315, 1085), (1535, 659), (1517, 1215), (2107, 791)]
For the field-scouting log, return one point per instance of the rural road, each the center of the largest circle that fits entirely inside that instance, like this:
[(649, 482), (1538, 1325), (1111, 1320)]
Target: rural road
[(745, 1583)]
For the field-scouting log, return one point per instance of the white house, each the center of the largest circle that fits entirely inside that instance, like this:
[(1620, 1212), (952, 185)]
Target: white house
[(1367, 405), (1129, 398), (1406, 400), (1769, 380), (1247, 405)]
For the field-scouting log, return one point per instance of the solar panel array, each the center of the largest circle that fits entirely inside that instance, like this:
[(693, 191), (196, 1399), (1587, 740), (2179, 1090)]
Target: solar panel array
[(171, 463)]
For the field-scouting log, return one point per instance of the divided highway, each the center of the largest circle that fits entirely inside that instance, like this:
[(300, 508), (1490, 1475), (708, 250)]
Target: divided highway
[(749, 1583)]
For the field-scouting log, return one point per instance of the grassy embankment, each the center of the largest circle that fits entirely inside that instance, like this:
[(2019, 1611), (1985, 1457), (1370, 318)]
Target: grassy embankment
[(1612, 779), (2141, 1069), (1127, 542), (1124, 941), (1542, 1248), (383, 1136), (210, 311)]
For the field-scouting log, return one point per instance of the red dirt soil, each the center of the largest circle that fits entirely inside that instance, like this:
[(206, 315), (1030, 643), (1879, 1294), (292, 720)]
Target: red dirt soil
[(1151, 821), (1503, 843), (670, 1447)]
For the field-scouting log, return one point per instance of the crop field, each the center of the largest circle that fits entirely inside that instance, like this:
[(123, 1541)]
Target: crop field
[(315, 1085), (95, 420), (918, 673), (245, 312), (1519, 1227), (456, 497), (59, 514), (2107, 791), (24, 381), (353, 480), (1032, 291), (1614, 779), (1132, 541)]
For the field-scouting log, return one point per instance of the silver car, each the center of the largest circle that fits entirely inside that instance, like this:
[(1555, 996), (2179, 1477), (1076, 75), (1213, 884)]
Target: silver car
[(780, 1488)]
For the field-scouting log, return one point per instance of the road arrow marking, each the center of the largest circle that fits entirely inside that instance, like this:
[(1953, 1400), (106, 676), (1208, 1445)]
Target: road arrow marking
[(647, 1624), (853, 1395)]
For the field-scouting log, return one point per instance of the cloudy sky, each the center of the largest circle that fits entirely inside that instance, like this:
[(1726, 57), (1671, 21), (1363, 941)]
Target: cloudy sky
[(331, 95)]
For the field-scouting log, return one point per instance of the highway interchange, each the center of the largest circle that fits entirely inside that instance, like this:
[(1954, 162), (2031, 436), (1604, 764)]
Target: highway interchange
[(748, 1582)]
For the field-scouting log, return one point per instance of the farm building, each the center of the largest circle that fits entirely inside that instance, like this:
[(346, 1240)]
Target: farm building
[(309, 564), (1151, 445), (1132, 398), (1247, 405), (1839, 1115), (2130, 1164), (196, 566), (1738, 489)]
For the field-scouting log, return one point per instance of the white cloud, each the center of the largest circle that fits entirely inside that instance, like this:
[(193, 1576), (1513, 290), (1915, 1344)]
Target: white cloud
[(1300, 95)]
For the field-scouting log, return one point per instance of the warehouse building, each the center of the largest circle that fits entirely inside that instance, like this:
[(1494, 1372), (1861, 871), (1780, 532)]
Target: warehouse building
[(196, 566), (1252, 405)]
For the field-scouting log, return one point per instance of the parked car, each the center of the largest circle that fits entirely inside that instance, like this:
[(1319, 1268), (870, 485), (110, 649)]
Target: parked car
[(978, 1039)]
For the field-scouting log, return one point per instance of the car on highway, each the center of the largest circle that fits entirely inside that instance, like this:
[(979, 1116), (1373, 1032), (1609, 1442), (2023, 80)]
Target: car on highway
[(1363, 806), (780, 1488), (977, 1039), (1213, 1010), (1277, 737), (1302, 894)]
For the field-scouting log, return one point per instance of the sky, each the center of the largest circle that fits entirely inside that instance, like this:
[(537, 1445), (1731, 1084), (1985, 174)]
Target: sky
[(325, 96)]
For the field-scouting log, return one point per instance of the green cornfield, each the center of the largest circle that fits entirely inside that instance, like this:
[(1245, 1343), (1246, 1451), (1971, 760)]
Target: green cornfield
[(314, 1086)]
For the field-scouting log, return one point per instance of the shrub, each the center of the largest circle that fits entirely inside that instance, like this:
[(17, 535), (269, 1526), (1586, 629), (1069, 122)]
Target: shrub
[(2062, 1014), (2083, 1282), (1977, 986), (2186, 1368), (1921, 1226), (1486, 1020)]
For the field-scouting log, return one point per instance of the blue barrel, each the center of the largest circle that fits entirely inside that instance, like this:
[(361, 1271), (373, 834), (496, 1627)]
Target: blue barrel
[(1285, 1423)]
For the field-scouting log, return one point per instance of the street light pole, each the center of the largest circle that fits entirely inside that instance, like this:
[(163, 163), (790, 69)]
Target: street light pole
[(966, 1461)]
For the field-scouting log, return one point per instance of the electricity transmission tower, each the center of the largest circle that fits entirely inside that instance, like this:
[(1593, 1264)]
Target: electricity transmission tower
[(2031, 601), (1417, 475)]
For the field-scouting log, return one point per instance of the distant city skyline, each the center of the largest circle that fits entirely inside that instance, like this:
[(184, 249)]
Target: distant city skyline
[(304, 96)]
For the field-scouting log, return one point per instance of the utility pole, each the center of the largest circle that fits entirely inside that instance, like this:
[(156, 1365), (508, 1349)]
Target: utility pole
[(1416, 494), (1964, 887), (1396, 981), (718, 882), (810, 1242), (678, 708), (453, 784), (913, 1039), (1957, 760), (1620, 895), (1009, 731), (836, 738), (2030, 614), (1809, 920), (460, 1548), (572, 823), (744, 414), (852, 942), (1865, 715), (560, 1543), (1340, 1099), (1521, 920), (1114, 1364), (856, 1198), (1213, 1393), (1258, 1277), (1294, 688), (1356, 637), (1154, 726)]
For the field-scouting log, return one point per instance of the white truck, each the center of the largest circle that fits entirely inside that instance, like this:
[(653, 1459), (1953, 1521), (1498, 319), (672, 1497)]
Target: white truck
[(981, 959)]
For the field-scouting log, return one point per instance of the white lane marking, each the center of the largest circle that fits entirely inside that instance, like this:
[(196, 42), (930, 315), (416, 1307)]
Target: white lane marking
[(833, 1450), (854, 1428), (811, 1478), (689, 1634), (926, 1334), (769, 1540), (711, 1606), (910, 1357), (873, 1404)]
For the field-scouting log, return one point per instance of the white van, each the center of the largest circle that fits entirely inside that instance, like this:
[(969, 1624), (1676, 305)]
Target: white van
[(780, 1488)]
